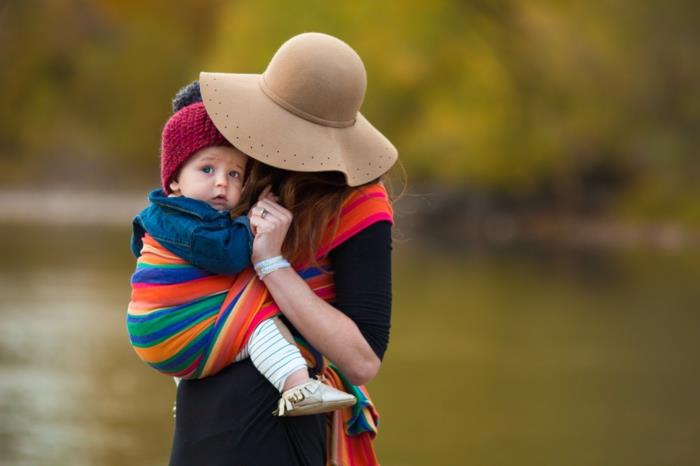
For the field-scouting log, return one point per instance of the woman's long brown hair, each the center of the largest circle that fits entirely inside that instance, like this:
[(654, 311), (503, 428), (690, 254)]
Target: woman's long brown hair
[(314, 199)]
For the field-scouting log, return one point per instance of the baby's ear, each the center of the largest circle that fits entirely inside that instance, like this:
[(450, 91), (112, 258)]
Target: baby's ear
[(174, 187)]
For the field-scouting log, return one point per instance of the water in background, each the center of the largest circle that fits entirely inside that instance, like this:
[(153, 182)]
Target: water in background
[(506, 357)]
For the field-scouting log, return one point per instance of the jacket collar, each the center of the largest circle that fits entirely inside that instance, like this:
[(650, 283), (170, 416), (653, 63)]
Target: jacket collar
[(188, 205)]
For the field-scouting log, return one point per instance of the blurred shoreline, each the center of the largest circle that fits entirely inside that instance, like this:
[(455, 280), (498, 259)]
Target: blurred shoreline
[(448, 218), (66, 207)]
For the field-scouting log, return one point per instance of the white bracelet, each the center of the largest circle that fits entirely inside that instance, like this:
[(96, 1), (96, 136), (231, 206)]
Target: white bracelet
[(267, 266), (268, 261), (263, 271)]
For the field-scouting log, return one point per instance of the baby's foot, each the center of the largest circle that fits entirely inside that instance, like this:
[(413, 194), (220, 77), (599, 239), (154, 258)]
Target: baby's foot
[(312, 397)]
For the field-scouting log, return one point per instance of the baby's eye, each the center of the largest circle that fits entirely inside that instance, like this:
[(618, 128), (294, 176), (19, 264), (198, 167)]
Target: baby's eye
[(234, 174), (207, 169)]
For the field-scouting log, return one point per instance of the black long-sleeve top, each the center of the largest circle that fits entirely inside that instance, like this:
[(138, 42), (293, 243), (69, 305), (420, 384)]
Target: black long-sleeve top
[(226, 420)]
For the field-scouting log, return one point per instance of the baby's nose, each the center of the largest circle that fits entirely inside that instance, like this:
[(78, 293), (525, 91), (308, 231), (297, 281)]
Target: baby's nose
[(221, 179)]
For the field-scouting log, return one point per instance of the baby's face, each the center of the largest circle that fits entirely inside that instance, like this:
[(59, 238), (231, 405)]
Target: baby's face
[(213, 175)]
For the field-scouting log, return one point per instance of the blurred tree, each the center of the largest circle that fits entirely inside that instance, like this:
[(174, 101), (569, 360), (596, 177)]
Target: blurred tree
[(90, 83)]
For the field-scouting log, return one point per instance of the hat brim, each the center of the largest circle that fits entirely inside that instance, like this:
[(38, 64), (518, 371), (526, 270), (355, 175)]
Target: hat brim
[(267, 132)]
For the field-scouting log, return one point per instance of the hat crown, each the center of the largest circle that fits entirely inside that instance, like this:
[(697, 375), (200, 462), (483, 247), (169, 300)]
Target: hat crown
[(317, 77)]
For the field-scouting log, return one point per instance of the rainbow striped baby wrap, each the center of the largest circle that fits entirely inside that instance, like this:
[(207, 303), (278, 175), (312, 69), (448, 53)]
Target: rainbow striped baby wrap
[(186, 322)]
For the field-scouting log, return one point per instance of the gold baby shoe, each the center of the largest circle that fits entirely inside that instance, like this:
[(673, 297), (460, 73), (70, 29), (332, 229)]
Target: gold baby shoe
[(312, 397)]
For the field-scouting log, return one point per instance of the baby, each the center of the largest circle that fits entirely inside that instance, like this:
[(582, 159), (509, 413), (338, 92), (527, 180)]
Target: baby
[(190, 252)]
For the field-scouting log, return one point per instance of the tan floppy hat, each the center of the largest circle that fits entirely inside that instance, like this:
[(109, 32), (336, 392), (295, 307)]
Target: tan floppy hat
[(302, 113)]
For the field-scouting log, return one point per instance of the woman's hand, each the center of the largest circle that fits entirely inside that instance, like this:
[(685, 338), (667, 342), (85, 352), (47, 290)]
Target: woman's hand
[(270, 223)]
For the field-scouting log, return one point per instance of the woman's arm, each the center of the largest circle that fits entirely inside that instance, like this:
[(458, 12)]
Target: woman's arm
[(328, 329), (362, 266)]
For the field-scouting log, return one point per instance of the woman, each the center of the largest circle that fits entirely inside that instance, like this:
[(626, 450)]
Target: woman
[(300, 122)]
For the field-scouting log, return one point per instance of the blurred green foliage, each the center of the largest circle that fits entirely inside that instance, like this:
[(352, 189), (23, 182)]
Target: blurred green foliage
[(579, 103)]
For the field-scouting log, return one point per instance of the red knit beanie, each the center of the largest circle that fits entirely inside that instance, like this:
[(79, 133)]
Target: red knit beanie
[(187, 131)]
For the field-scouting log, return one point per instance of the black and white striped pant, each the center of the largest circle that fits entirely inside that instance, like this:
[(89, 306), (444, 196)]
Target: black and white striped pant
[(271, 353)]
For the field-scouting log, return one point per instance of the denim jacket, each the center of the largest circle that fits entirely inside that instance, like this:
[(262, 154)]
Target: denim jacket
[(195, 232)]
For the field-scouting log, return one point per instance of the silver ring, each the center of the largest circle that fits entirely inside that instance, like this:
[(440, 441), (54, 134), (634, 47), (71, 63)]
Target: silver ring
[(263, 212)]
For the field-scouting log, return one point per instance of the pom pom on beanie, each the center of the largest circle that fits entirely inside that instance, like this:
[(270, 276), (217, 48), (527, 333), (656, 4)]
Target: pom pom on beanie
[(188, 130), (188, 95)]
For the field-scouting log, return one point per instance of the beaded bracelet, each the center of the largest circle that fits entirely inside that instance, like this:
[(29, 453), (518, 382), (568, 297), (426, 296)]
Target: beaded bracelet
[(267, 266)]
